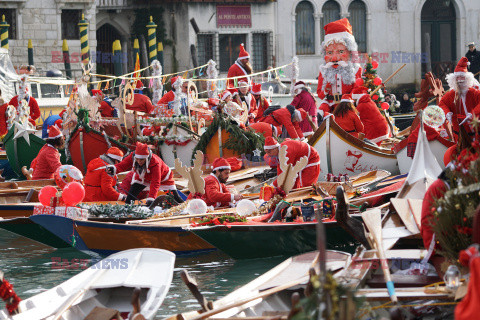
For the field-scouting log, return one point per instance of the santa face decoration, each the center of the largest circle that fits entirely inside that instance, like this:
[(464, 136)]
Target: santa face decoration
[(335, 52)]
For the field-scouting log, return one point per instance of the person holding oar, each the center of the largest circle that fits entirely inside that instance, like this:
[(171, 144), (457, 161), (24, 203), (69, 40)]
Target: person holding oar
[(216, 193)]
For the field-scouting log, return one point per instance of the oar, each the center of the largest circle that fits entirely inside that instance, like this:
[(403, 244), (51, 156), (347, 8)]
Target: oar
[(373, 221), (183, 216), (262, 295)]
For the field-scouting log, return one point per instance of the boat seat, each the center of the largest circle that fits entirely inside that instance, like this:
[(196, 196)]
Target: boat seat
[(402, 281)]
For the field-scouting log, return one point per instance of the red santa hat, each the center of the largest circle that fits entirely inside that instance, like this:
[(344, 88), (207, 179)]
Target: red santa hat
[(462, 67), (115, 153), (347, 98), (142, 151), (299, 85), (139, 85), (220, 163), (174, 80), (96, 92), (358, 92), (54, 132), (256, 88), (271, 143), (339, 31), (58, 123), (233, 91), (243, 53), (226, 94)]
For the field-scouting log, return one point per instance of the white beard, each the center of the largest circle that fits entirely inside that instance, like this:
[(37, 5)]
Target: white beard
[(347, 71), (460, 87)]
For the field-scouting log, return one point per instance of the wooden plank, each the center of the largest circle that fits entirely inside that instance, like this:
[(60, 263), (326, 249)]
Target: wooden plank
[(404, 294)]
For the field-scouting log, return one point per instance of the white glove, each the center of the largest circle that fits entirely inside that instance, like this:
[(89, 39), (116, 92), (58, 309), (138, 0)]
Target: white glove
[(122, 197), (448, 116)]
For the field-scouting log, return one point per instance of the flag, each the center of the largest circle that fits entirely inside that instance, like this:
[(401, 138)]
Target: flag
[(137, 66)]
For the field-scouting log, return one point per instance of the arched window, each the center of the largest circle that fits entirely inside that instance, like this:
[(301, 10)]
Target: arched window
[(358, 20), (331, 12), (304, 28)]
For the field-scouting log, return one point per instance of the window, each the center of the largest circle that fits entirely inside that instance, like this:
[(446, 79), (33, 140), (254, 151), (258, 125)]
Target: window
[(11, 19), (205, 48), (230, 48), (331, 12), (358, 19), (261, 51), (70, 20), (304, 28)]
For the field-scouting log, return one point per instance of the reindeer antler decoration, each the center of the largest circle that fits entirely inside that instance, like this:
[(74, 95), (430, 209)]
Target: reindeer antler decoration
[(286, 180), (126, 97), (196, 184)]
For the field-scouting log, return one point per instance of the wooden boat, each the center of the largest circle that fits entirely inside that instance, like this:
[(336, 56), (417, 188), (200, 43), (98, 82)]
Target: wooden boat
[(86, 146), (259, 239), (107, 284), (438, 146), (106, 238), (342, 153)]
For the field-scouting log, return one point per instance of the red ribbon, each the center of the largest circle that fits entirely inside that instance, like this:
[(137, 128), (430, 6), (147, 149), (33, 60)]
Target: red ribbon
[(170, 142)]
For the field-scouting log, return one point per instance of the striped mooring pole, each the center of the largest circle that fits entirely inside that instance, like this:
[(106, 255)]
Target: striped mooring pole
[(160, 52), (4, 33), (30, 52), (85, 49), (152, 40), (66, 59)]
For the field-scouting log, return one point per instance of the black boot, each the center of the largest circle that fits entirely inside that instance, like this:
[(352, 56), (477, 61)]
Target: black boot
[(133, 193)]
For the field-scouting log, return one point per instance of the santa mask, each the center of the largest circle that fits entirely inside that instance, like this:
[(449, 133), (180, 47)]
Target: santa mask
[(335, 52)]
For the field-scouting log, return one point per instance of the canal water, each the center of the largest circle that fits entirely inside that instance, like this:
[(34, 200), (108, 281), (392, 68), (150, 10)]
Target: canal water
[(31, 268)]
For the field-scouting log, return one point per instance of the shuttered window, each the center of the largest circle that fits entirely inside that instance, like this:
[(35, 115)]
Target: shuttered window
[(358, 19), (304, 28), (331, 12), (205, 47), (262, 50)]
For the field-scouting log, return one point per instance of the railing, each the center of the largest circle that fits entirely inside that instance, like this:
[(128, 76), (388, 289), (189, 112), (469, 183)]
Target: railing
[(111, 3)]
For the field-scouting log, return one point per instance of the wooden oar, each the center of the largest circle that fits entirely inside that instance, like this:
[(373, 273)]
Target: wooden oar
[(183, 216), (373, 221), (262, 295)]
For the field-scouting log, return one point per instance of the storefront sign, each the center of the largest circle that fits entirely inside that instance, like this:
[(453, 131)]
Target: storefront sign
[(234, 16)]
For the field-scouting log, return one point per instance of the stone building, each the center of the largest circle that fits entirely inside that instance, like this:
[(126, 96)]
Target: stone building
[(273, 31)]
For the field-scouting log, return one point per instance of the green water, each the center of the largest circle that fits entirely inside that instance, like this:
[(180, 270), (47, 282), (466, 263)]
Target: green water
[(28, 266)]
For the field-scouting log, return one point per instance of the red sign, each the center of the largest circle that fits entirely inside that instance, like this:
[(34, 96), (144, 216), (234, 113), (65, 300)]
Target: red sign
[(234, 16)]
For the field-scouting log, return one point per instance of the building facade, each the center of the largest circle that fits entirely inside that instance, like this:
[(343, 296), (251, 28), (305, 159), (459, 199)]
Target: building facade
[(423, 34)]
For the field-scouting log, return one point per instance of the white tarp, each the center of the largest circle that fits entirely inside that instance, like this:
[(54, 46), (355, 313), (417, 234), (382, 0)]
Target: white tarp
[(7, 75)]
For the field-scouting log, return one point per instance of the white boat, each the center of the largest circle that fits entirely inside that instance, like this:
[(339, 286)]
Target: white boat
[(108, 284), (438, 146), (342, 153)]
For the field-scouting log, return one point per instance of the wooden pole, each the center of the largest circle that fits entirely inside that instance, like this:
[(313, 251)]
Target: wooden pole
[(66, 59), (4, 33), (30, 53), (388, 79), (160, 52), (152, 40), (144, 53), (85, 48)]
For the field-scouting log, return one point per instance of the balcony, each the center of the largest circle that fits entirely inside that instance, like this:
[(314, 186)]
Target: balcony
[(111, 4)]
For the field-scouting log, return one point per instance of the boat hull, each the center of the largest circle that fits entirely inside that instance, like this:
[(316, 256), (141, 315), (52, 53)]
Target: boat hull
[(29, 229), (273, 239), (16, 210), (341, 153), (86, 146)]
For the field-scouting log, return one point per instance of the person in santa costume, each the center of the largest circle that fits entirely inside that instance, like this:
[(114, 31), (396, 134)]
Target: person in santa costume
[(106, 110), (375, 125), (261, 102), (32, 103), (216, 193), (176, 97), (149, 174), (295, 151), (48, 159), (288, 117), (338, 74), (140, 101), (305, 100), (241, 68), (346, 117), (228, 95), (244, 95), (3, 116), (99, 185), (53, 120), (266, 129), (462, 101)]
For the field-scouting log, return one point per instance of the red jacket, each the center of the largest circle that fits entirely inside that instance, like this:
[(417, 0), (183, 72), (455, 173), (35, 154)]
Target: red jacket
[(266, 129), (3, 119), (436, 190), (296, 150), (141, 103), (32, 103), (167, 97), (283, 117), (46, 163), (350, 122), (306, 101), (236, 70), (105, 109), (99, 186), (374, 123), (216, 193), (472, 105), (262, 105), (158, 175)]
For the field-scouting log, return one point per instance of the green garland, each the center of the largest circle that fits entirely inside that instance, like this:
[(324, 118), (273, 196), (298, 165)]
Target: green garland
[(240, 141), (209, 220), (119, 211)]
